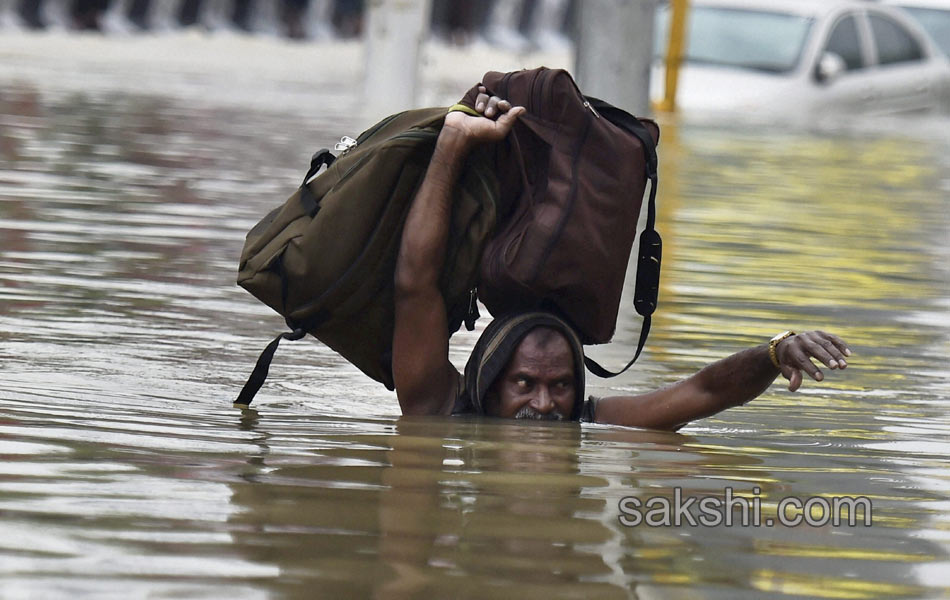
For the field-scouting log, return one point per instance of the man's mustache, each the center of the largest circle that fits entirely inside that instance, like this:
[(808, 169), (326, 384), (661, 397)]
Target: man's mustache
[(527, 412)]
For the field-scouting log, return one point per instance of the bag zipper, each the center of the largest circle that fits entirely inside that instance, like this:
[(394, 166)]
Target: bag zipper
[(369, 132), (345, 144), (472, 315), (417, 134), (591, 107), (568, 209)]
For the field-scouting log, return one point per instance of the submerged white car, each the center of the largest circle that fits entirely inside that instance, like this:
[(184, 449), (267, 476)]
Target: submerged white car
[(804, 57), (933, 16)]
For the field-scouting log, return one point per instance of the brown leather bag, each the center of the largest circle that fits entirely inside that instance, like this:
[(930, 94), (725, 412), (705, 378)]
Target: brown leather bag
[(575, 170)]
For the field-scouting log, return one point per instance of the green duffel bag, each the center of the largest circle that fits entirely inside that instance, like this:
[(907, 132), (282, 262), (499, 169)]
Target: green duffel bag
[(326, 259)]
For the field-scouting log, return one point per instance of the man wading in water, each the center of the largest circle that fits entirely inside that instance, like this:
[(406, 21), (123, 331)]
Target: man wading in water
[(531, 365)]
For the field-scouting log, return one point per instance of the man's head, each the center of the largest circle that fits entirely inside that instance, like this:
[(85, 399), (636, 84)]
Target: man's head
[(538, 381), (528, 365)]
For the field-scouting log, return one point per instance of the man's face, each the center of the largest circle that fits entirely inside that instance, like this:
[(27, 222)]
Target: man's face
[(538, 382)]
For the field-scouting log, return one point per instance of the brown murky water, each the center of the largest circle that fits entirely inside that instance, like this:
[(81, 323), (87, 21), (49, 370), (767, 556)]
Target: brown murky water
[(126, 472)]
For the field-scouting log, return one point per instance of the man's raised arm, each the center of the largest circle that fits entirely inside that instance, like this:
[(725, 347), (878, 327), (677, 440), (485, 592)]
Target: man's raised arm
[(425, 378), (726, 383)]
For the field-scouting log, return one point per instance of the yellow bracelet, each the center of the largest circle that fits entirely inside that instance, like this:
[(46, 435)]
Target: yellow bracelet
[(773, 344), (465, 109)]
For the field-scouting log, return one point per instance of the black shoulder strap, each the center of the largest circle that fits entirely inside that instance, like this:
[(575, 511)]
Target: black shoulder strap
[(651, 246), (262, 367), (259, 374)]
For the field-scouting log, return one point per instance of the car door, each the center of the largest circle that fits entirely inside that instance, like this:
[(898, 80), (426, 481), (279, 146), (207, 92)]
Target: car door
[(903, 77), (850, 91)]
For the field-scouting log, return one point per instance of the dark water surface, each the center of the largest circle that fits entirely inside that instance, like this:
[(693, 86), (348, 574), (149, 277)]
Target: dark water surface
[(125, 472)]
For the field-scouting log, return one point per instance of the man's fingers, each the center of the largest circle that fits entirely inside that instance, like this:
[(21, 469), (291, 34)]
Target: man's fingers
[(829, 356), (481, 101), (492, 109), (495, 106), (796, 354), (795, 381), (512, 114), (823, 347), (490, 106), (836, 354), (507, 120), (839, 343), (794, 377), (800, 360), (786, 372)]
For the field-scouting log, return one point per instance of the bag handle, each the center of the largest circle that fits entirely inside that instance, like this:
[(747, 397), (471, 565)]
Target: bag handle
[(321, 157), (651, 245)]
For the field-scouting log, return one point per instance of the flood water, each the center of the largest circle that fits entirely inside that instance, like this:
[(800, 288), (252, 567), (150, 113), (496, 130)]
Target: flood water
[(126, 472)]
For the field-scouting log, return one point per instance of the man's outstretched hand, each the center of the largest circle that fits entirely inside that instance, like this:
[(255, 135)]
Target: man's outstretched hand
[(498, 117), (795, 355)]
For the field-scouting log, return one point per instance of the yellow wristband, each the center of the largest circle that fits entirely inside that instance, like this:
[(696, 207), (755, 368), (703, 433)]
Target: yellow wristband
[(464, 109), (773, 344)]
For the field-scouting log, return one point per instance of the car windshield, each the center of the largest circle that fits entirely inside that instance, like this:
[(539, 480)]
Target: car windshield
[(936, 22), (740, 38)]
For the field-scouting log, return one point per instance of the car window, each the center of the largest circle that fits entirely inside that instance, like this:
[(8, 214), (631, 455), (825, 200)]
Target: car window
[(936, 22), (894, 43), (761, 40), (844, 42)]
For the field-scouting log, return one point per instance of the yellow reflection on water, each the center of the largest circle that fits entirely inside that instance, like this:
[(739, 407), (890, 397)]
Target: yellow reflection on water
[(798, 221), (812, 586)]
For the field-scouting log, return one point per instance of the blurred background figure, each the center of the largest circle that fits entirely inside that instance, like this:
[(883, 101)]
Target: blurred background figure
[(292, 13), (550, 22), (295, 19), (9, 19), (316, 19), (458, 22), (504, 27), (116, 19), (31, 14), (86, 14), (619, 49), (517, 25), (348, 18), (16, 13), (138, 13)]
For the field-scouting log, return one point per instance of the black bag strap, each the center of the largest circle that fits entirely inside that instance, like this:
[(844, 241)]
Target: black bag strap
[(594, 367), (259, 374), (651, 245), (262, 367), (321, 157)]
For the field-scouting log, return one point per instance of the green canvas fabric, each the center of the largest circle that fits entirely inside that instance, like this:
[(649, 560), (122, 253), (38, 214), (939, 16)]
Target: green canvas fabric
[(331, 273)]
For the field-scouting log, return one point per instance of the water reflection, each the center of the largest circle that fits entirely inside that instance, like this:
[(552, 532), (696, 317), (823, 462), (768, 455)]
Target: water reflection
[(435, 502), (123, 340)]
